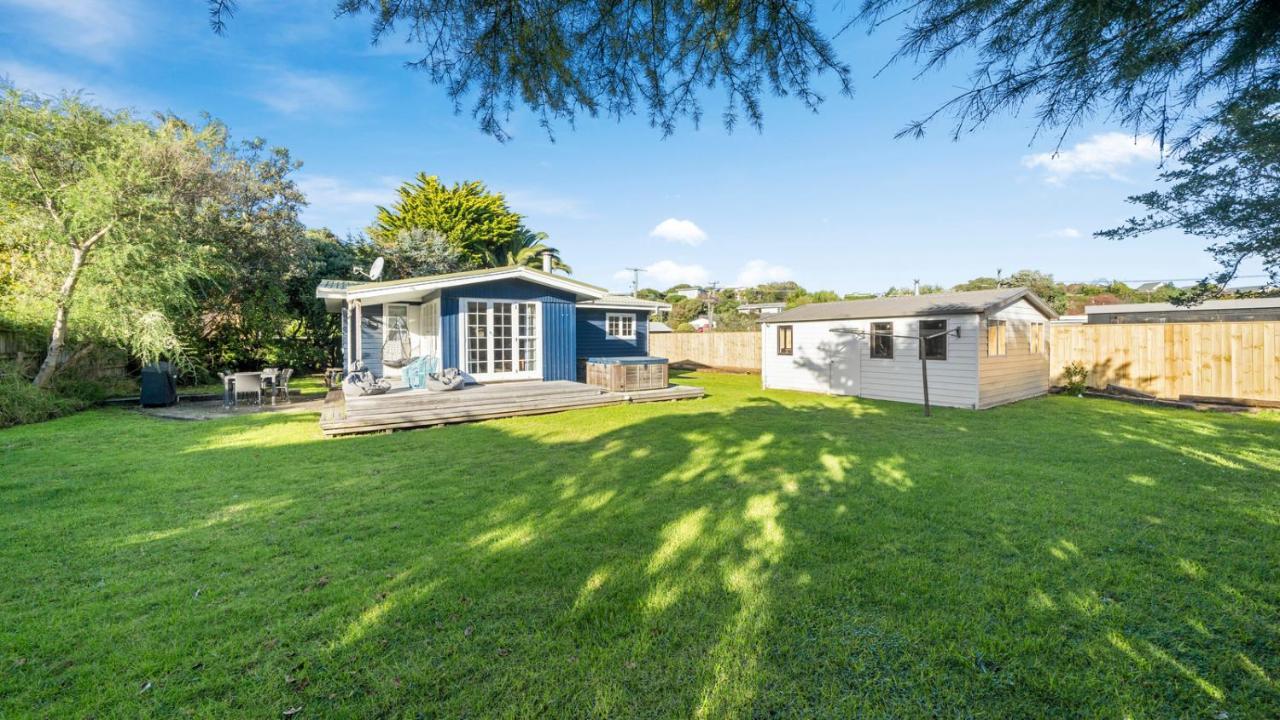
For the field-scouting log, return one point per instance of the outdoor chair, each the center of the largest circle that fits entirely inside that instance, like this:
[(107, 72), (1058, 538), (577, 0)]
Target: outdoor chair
[(447, 379), (362, 382), (416, 371), (228, 388), (281, 385), (249, 383)]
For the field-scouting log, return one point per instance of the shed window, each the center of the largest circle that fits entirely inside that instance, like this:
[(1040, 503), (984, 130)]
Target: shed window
[(997, 335), (786, 340), (882, 340), (1036, 336), (934, 348), (620, 325)]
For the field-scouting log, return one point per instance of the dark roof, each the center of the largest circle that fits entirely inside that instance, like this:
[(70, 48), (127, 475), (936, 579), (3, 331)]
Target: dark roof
[(958, 303)]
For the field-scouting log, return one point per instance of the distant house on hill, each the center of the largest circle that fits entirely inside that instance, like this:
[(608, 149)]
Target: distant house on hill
[(764, 308)]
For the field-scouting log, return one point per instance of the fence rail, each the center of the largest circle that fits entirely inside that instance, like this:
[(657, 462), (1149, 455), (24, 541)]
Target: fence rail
[(28, 349), (738, 351), (1230, 360), (13, 344)]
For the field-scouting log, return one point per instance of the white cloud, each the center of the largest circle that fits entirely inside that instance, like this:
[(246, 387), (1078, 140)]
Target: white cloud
[(342, 206), (681, 231), (1065, 233), (537, 202), (1102, 155), (756, 272), (292, 91), (665, 273), (93, 29), (43, 81)]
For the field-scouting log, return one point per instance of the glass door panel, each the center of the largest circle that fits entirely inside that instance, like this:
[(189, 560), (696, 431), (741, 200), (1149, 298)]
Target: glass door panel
[(477, 337), (502, 337), (527, 338)]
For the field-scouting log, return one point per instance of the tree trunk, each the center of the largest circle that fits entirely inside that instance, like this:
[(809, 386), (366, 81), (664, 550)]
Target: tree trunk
[(59, 335)]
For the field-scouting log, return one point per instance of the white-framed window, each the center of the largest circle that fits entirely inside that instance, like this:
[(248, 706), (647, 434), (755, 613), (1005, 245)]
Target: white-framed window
[(620, 325)]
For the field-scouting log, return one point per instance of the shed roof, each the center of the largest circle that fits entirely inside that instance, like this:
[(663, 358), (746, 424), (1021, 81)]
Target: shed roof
[(1244, 304), (957, 303)]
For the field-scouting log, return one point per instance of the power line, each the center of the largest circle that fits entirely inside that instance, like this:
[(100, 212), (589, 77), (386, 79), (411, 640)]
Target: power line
[(635, 280)]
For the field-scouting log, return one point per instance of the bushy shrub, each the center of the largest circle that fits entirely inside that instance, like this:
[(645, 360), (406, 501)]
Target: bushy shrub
[(1076, 376), (92, 391), (22, 403)]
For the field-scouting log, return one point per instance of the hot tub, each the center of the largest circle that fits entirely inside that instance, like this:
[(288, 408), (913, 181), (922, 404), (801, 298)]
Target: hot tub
[(624, 374)]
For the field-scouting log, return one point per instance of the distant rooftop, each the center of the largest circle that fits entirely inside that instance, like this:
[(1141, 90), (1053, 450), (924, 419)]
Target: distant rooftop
[(1245, 304), (957, 303)]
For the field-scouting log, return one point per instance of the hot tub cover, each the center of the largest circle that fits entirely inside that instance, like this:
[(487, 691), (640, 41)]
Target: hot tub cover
[(624, 360)]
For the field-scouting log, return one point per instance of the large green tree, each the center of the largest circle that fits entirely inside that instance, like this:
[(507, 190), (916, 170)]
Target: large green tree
[(1225, 189), (568, 58), (417, 251), (102, 213), (1145, 63), (477, 223), (525, 248), (155, 235), (245, 307)]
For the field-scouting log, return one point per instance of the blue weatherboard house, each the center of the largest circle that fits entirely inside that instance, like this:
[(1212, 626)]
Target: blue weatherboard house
[(509, 323)]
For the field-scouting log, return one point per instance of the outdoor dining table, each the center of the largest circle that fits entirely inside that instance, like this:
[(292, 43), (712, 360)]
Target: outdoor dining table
[(229, 384)]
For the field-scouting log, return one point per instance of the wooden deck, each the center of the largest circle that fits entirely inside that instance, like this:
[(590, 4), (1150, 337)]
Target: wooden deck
[(403, 408)]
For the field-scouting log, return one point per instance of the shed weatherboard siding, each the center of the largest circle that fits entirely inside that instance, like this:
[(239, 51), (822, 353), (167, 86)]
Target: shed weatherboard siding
[(371, 338), (558, 361), (823, 361), (593, 341), (1019, 373)]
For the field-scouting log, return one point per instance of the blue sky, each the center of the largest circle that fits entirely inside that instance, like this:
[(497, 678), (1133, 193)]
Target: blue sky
[(830, 200)]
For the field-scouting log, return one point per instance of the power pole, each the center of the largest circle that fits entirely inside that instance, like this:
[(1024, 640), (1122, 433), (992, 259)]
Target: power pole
[(635, 280), (711, 302)]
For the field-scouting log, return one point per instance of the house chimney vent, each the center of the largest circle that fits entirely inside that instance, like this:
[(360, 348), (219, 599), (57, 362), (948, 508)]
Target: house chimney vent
[(546, 262)]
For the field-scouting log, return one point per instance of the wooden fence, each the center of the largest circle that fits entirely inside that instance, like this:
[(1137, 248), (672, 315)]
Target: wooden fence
[(739, 351), (15, 345), (1230, 360), (27, 349)]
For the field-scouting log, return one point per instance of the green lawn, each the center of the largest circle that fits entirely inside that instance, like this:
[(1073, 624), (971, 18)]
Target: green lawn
[(750, 554)]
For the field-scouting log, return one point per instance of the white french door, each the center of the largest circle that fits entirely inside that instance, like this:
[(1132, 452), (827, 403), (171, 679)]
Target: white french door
[(501, 340)]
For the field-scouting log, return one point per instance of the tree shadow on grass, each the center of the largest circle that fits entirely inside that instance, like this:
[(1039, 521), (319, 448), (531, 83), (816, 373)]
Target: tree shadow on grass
[(779, 557)]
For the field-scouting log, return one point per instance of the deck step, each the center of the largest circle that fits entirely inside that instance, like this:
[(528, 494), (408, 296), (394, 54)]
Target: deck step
[(364, 410), (352, 415), (393, 421)]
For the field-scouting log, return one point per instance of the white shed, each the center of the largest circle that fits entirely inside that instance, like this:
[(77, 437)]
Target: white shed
[(995, 350)]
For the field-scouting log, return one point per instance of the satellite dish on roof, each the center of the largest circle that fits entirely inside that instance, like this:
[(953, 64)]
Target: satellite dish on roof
[(375, 270)]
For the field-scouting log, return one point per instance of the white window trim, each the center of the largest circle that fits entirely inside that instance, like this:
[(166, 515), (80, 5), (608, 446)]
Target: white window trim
[(462, 340), (621, 317)]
